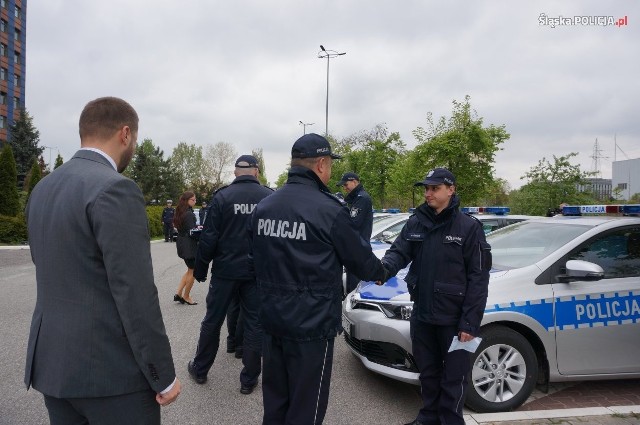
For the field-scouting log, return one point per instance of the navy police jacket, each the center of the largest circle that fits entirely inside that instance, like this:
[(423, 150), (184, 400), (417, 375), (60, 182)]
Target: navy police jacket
[(302, 236), (224, 240), (449, 276), (361, 211)]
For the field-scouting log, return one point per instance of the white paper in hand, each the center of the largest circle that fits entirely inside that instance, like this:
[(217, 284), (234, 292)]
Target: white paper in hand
[(470, 346)]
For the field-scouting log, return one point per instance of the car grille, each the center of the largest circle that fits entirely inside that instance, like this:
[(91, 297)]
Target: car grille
[(383, 353)]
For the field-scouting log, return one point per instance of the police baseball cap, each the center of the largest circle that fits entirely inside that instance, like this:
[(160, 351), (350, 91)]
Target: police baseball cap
[(438, 176), (312, 146), (348, 177), (247, 161), (169, 201)]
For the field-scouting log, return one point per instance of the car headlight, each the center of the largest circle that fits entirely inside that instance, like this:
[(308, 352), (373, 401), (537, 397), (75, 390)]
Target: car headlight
[(397, 311)]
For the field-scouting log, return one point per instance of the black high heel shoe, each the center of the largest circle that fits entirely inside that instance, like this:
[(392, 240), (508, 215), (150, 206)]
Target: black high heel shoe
[(177, 297), (187, 302)]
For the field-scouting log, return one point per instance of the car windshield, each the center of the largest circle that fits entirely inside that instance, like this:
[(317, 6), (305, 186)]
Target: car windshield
[(526, 243), (384, 223)]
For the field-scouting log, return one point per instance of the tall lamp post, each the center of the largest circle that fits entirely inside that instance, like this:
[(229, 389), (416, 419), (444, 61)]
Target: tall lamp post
[(324, 53), (50, 148), (304, 126)]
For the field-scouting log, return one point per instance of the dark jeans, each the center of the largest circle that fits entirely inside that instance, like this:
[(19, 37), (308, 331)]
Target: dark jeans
[(295, 382), (220, 294), (443, 375), (139, 408)]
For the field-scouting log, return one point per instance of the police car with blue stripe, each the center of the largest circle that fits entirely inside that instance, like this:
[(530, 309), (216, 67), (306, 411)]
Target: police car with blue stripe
[(563, 305)]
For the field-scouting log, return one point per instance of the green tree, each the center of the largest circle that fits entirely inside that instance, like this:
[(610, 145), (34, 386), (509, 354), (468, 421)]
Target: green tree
[(9, 198), (188, 162), (462, 144), (35, 175), (371, 154), (282, 178), (262, 177), (154, 174), (24, 142), (58, 162), (497, 193), (550, 184)]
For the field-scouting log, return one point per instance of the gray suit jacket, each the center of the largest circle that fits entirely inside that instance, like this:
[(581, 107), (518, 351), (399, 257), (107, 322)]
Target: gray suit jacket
[(97, 329)]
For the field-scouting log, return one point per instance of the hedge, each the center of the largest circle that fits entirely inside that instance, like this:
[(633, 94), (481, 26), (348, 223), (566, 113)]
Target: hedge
[(13, 230)]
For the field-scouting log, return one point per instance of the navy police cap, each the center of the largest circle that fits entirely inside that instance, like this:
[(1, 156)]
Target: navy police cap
[(312, 146), (247, 161), (438, 176), (348, 177)]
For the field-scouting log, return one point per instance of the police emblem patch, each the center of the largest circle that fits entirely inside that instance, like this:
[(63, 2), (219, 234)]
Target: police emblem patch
[(355, 212)]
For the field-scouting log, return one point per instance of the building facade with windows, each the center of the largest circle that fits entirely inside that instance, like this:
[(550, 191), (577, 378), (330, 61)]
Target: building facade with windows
[(599, 188), (13, 26)]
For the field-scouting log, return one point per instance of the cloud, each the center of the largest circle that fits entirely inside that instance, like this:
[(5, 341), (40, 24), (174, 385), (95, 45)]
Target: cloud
[(247, 72)]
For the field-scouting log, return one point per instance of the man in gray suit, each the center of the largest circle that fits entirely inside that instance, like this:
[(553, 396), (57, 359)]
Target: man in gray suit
[(98, 349)]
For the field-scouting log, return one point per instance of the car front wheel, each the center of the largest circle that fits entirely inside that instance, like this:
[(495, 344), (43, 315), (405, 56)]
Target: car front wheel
[(504, 370)]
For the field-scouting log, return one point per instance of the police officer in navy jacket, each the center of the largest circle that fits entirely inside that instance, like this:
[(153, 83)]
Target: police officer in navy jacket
[(302, 237), (448, 282), (361, 213), (225, 243)]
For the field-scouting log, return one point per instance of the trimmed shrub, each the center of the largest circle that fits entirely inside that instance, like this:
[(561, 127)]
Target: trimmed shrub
[(13, 230)]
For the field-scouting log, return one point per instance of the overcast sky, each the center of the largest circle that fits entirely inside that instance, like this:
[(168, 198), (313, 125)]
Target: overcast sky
[(246, 72)]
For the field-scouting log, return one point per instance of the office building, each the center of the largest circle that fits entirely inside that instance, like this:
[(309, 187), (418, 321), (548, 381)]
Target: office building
[(13, 27)]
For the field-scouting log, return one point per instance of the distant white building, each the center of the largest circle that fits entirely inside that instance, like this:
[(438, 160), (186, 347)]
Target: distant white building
[(625, 178)]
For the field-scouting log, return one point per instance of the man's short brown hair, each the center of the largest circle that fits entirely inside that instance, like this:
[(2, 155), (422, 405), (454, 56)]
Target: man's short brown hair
[(104, 116)]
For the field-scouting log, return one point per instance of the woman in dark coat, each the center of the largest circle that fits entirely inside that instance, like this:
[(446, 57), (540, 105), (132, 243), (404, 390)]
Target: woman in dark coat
[(187, 245)]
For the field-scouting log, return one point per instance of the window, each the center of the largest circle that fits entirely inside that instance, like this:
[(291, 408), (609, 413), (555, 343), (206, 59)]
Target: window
[(3, 98), (3, 74), (3, 121), (3, 49), (17, 12), (617, 252), (16, 57), (3, 25), (3, 4), (16, 35), (16, 80), (622, 186), (16, 102)]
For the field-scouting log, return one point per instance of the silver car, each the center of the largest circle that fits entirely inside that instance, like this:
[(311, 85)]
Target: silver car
[(564, 305)]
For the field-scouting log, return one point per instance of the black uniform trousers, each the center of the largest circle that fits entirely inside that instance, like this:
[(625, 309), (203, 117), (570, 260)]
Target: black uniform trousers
[(139, 408), (443, 375), (295, 382), (235, 323), (220, 294), (168, 232)]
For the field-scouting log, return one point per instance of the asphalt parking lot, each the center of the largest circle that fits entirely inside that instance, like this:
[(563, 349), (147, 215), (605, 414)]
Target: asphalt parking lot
[(357, 395)]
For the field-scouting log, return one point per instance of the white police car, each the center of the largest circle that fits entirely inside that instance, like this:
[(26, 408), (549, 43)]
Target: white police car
[(564, 305)]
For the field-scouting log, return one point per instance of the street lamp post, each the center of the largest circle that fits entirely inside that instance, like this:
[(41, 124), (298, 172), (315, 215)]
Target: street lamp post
[(50, 148), (323, 53), (304, 126)]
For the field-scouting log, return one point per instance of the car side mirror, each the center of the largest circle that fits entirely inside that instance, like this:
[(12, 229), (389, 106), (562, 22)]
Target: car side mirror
[(581, 270)]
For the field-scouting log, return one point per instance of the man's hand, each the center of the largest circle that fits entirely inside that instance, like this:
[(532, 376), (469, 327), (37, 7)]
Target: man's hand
[(464, 337), (171, 396), (385, 277), (199, 277)]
